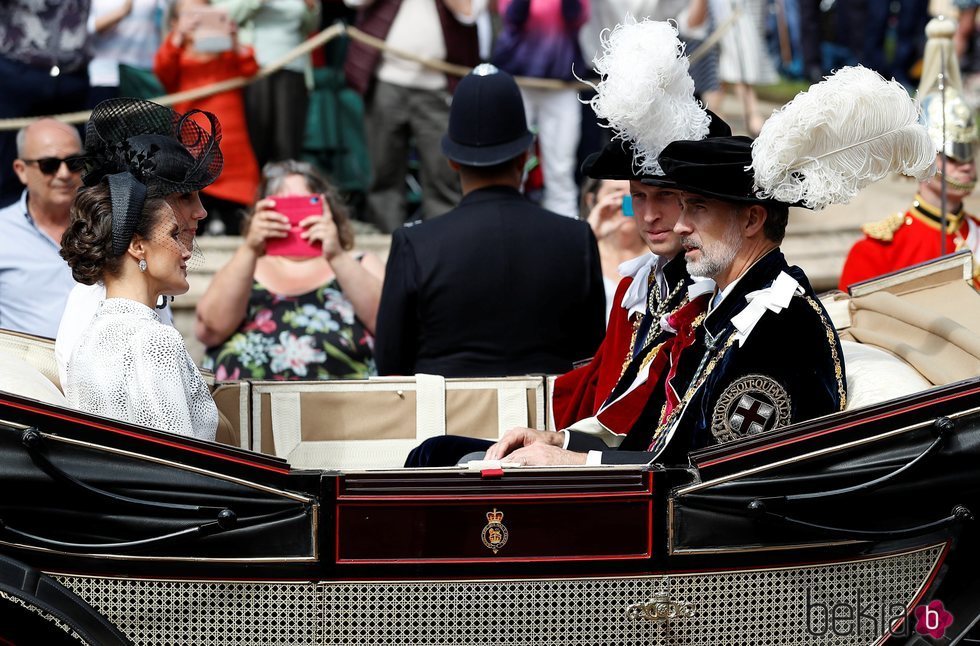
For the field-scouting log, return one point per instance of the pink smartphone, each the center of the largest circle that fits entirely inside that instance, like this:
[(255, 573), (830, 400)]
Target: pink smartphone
[(297, 208)]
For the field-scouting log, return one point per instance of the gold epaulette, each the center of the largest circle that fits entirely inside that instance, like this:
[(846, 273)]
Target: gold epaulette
[(884, 230)]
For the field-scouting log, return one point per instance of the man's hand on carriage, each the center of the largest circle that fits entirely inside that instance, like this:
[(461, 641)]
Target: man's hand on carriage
[(517, 438), (540, 455)]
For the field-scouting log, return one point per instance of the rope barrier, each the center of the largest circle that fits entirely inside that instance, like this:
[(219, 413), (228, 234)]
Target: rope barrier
[(462, 70), (82, 116), (715, 36), (354, 33)]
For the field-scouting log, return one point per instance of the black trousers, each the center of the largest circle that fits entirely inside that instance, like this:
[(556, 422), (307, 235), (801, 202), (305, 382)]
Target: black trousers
[(444, 451), (275, 111), (27, 91)]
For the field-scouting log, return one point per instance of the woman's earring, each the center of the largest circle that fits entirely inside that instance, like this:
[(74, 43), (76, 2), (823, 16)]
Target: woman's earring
[(142, 264)]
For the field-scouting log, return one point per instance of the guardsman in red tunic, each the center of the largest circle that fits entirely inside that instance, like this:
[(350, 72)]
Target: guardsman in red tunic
[(906, 239)]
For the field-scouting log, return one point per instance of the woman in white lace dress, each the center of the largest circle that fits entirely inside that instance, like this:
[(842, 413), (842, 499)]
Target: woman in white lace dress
[(128, 365)]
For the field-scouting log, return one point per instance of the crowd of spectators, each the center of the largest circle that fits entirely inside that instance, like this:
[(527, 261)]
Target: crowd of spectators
[(66, 56)]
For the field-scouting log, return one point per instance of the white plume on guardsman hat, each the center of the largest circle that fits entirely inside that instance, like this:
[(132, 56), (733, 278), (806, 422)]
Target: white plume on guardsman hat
[(645, 93), (941, 76), (844, 133)]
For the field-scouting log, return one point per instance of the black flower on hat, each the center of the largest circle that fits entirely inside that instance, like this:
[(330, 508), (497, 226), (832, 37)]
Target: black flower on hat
[(140, 161)]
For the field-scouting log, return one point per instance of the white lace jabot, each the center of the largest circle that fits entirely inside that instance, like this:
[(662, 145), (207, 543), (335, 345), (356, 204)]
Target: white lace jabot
[(130, 366), (635, 298)]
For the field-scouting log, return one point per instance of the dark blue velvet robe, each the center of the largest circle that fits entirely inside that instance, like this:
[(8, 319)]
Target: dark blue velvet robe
[(789, 369)]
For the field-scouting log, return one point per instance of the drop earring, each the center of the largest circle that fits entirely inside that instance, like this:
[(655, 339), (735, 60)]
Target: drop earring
[(142, 264)]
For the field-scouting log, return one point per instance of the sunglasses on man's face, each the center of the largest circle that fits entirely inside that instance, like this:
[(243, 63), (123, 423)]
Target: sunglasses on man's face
[(50, 165)]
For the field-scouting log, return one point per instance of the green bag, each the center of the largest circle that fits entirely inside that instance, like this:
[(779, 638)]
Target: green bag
[(139, 83), (335, 139)]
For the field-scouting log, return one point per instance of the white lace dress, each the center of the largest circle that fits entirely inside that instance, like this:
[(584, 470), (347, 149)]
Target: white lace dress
[(130, 366)]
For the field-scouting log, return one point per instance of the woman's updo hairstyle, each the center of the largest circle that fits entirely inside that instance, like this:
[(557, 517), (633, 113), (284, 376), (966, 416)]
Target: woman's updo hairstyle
[(87, 243)]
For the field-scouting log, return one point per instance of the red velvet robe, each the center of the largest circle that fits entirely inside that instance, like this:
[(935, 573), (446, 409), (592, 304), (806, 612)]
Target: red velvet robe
[(579, 394)]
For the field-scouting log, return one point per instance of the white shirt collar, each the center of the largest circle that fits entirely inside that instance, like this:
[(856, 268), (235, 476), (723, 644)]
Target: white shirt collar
[(720, 296), (635, 298)]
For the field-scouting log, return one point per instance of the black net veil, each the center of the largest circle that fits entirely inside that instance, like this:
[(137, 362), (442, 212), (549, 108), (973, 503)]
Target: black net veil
[(172, 154)]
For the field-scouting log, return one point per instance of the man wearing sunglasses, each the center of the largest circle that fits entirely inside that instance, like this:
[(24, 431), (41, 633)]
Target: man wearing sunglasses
[(34, 279)]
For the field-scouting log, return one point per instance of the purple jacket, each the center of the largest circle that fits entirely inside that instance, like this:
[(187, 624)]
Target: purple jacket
[(540, 38)]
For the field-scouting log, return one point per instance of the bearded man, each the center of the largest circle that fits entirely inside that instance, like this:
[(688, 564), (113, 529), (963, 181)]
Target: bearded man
[(764, 354)]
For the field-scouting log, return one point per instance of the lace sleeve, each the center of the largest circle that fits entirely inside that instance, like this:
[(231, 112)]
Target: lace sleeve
[(168, 389)]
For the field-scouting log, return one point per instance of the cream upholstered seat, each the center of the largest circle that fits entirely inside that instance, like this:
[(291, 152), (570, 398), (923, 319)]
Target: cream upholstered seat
[(874, 375), (908, 331), (34, 350), (28, 368), (19, 377)]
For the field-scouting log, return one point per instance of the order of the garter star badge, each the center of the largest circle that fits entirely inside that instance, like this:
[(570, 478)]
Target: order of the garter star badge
[(749, 406), (494, 533)]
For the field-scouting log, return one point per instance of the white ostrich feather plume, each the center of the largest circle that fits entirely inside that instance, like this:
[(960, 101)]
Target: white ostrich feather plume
[(645, 93), (844, 133)]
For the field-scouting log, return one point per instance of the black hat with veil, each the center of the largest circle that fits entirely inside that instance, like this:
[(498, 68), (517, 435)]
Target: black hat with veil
[(165, 150), (143, 149)]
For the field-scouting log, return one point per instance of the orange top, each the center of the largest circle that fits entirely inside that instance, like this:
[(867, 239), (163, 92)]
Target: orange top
[(180, 69)]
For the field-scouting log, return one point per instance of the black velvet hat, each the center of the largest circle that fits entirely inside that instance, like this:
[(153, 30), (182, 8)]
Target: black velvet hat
[(487, 123), (717, 127), (716, 167), (615, 160), (163, 149)]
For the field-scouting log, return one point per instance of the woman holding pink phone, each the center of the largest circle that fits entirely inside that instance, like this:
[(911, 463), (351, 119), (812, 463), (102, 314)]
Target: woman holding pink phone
[(295, 301)]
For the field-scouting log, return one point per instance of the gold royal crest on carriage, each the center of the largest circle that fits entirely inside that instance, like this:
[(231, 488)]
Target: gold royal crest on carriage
[(494, 533)]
